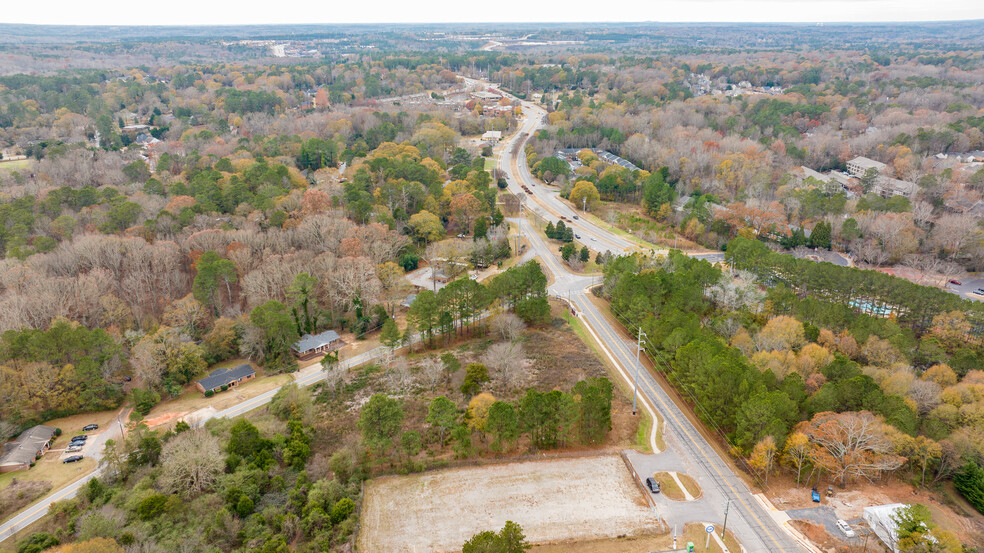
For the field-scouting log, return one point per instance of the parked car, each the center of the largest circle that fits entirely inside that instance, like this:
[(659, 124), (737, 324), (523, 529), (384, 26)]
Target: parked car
[(90, 427), (955, 282), (80, 438), (72, 459), (74, 448), (979, 291), (845, 528), (652, 484)]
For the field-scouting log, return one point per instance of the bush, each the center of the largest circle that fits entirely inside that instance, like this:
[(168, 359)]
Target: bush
[(58, 432), (37, 543), (145, 400), (209, 393), (151, 507)]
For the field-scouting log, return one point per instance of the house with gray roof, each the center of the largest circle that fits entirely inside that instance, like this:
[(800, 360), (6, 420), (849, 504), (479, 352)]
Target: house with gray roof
[(26, 448), (229, 376), (310, 346)]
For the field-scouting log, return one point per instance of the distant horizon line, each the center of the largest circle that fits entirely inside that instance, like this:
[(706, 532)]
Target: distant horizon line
[(494, 23)]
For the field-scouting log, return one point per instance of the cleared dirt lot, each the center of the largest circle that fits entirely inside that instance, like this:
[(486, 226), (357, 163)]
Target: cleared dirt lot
[(554, 501)]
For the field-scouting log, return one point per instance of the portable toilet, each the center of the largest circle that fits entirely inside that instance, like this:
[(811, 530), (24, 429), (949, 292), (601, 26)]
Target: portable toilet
[(690, 546)]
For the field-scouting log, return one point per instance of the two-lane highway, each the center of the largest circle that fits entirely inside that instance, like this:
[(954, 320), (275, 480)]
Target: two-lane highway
[(755, 528)]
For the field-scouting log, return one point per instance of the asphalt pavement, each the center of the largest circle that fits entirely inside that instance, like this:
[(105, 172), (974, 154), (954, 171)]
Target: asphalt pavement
[(687, 450)]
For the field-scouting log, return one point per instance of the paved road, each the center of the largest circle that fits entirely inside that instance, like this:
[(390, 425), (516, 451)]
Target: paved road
[(967, 288), (686, 447), (307, 377)]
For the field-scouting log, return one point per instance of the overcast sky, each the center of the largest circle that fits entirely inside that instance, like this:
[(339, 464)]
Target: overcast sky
[(212, 12)]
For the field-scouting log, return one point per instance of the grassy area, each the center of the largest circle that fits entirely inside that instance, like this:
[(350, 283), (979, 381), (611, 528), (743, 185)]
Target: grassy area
[(691, 485), (645, 421), (16, 165), (192, 399), (642, 433), (694, 532), (635, 544), (668, 486), (50, 469)]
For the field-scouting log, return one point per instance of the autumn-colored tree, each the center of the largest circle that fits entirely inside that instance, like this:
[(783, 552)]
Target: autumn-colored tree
[(463, 210), (850, 445), (941, 374), (426, 226), (584, 194), (763, 456), (796, 452), (782, 332), (478, 411)]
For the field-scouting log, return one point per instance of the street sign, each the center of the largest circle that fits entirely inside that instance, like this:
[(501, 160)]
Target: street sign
[(709, 529)]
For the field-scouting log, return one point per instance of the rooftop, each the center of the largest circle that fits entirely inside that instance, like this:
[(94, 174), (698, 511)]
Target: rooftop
[(24, 449), (222, 377), (308, 342)]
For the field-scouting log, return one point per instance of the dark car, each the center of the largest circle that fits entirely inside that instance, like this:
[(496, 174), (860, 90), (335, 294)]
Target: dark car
[(576, 217), (72, 459), (90, 427), (80, 438), (652, 484), (955, 282)]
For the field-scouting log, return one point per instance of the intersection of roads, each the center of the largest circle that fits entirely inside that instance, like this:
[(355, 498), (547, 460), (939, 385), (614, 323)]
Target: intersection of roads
[(753, 522)]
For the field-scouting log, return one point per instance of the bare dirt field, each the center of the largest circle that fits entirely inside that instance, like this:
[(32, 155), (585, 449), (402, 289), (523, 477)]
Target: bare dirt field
[(559, 500)]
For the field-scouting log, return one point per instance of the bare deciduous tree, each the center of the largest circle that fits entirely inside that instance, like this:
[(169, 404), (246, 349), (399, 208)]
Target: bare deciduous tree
[(190, 463), (508, 326), (507, 361)]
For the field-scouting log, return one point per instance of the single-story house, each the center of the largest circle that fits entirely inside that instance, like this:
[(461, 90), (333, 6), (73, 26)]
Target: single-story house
[(492, 136), (312, 346), (408, 301), (26, 448), (229, 376)]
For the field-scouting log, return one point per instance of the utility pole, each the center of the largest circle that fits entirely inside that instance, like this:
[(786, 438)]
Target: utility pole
[(519, 227), (635, 384), (727, 507), (584, 204)]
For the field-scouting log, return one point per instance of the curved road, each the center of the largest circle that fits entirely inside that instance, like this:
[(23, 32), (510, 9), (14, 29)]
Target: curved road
[(750, 522), (748, 518)]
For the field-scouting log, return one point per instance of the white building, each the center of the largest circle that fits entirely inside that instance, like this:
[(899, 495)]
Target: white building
[(880, 519), (860, 165), (492, 136)]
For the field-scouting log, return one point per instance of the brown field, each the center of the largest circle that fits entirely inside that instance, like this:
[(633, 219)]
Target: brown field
[(584, 498)]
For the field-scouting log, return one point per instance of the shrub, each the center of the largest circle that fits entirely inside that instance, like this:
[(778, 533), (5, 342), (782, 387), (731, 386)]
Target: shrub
[(209, 393)]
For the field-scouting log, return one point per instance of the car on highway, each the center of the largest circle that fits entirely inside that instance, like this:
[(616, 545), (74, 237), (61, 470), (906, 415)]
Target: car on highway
[(90, 427), (72, 459), (592, 238), (845, 528), (576, 217), (652, 484), (578, 236)]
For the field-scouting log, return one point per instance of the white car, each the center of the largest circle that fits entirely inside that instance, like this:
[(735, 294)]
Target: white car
[(845, 528), (73, 448)]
